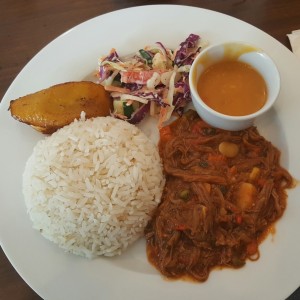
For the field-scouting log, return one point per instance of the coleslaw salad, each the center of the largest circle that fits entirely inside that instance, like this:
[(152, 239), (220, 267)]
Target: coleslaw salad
[(154, 80)]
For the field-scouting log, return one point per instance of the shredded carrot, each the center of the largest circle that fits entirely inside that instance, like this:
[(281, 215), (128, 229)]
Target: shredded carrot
[(162, 117), (165, 134), (216, 158), (181, 227), (111, 88), (197, 127), (261, 182), (239, 219), (255, 152), (232, 171)]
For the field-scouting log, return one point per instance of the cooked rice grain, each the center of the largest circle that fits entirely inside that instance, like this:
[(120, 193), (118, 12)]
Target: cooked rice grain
[(92, 186)]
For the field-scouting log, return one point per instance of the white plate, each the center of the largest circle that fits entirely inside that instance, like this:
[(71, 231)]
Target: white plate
[(56, 275)]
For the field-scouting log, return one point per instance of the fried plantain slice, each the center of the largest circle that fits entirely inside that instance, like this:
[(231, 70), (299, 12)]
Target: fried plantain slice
[(52, 108)]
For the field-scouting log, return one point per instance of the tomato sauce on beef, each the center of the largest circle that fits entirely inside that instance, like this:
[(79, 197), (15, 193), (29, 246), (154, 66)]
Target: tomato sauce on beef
[(216, 207)]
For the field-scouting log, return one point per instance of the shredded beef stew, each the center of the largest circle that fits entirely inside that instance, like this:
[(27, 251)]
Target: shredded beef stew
[(223, 191)]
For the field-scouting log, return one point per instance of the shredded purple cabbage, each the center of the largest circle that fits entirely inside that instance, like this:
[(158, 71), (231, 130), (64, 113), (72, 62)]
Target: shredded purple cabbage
[(139, 114), (183, 57), (182, 99), (180, 102), (184, 83), (133, 86), (113, 56), (104, 72), (161, 44)]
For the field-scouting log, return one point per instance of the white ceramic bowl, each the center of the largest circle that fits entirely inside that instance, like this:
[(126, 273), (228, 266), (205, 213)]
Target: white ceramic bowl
[(249, 54)]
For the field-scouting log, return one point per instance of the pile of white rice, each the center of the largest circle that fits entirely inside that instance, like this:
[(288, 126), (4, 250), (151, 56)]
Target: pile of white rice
[(92, 186)]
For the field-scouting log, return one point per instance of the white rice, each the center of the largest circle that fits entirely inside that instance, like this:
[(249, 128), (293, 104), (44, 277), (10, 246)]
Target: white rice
[(92, 186)]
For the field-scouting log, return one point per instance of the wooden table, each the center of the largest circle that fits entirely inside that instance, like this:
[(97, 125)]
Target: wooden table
[(29, 25)]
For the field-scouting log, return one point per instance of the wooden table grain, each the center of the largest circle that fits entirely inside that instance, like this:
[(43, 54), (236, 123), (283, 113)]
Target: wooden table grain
[(26, 26)]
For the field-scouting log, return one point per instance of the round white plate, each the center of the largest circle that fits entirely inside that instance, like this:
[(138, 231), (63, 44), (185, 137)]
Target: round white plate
[(54, 274)]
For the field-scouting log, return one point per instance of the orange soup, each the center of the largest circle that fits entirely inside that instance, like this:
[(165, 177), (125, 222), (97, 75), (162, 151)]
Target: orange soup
[(233, 88)]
